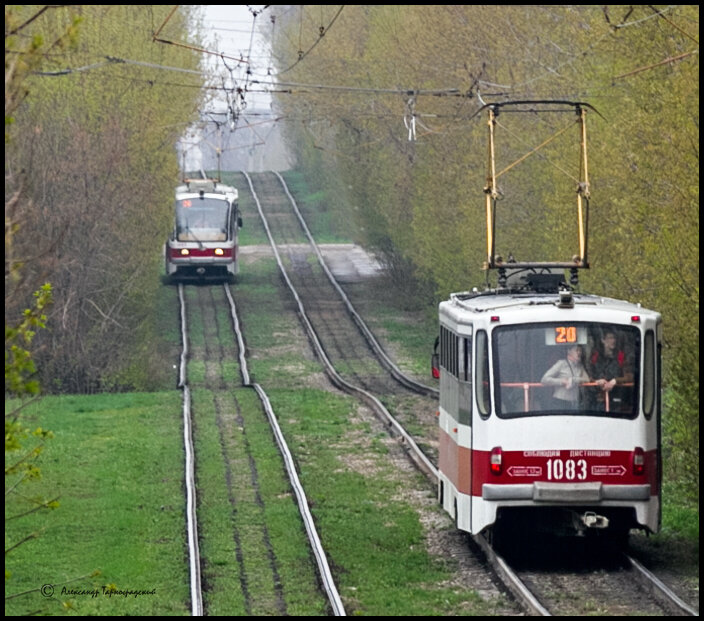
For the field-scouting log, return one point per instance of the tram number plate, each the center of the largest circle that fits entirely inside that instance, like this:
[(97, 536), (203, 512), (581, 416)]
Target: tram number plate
[(567, 469)]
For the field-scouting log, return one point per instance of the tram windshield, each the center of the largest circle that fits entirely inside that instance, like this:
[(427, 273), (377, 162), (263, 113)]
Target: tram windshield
[(201, 219), (575, 368)]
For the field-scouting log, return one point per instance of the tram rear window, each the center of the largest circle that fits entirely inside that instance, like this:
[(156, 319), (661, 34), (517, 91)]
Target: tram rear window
[(576, 368)]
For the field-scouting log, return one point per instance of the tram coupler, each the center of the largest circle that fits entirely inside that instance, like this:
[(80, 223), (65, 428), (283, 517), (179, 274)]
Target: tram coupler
[(589, 519)]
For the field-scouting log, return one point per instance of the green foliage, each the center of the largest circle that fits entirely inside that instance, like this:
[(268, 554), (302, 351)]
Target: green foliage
[(24, 55), (681, 437), (19, 366), (23, 445)]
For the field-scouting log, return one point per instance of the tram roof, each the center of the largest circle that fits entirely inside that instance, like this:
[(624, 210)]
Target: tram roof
[(493, 300), (193, 187)]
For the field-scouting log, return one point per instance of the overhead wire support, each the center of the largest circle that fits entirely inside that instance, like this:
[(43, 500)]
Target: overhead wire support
[(113, 60), (156, 38), (667, 61), (199, 49), (641, 20), (168, 17), (661, 14)]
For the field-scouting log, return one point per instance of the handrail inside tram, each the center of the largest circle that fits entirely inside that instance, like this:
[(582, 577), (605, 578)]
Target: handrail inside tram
[(528, 385)]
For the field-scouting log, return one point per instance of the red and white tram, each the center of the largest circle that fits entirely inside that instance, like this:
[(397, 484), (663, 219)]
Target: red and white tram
[(203, 243), (550, 404), (509, 448)]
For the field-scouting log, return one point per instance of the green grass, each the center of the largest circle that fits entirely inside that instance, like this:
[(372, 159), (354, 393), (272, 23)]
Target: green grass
[(116, 463), (374, 539), (273, 333), (245, 529)]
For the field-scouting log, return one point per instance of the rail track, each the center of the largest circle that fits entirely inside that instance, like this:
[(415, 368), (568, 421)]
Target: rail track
[(232, 421), (352, 359), (356, 363), (551, 577)]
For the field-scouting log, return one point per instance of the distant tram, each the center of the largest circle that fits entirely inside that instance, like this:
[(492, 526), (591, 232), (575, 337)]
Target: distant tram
[(550, 406), (203, 245)]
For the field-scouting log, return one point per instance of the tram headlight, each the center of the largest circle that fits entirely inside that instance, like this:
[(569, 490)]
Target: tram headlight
[(219, 252), (185, 252), (495, 460)]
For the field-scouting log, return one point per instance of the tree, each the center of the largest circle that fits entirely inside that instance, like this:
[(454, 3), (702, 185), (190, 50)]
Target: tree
[(92, 153)]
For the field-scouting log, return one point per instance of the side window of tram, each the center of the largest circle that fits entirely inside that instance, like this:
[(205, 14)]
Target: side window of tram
[(464, 392), (649, 374), (481, 370), (449, 359), (456, 355), (466, 361)]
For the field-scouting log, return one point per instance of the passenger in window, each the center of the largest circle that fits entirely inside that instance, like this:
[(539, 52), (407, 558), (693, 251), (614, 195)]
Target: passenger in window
[(609, 367), (567, 376)]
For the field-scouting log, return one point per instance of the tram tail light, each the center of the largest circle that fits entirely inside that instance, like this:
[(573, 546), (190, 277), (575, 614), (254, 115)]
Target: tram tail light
[(638, 460), (495, 461), (435, 365)]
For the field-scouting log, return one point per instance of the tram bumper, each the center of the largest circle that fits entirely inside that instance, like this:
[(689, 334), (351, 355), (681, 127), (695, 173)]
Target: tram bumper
[(541, 492)]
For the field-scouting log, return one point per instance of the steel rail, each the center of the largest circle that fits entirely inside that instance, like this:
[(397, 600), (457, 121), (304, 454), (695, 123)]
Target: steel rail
[(189, 474), (659, 590), (510, 579)]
